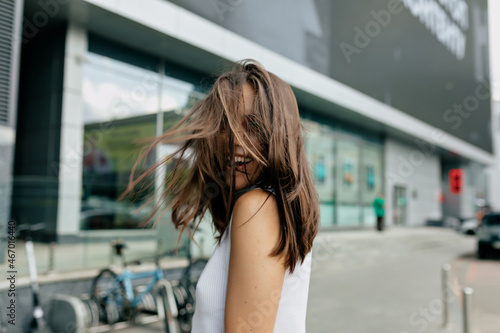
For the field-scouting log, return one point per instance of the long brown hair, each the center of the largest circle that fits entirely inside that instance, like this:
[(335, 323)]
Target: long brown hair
[(197, 182)]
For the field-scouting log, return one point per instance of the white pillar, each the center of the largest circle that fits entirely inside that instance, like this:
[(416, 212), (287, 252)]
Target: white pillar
[(70, 167), (494, 46)]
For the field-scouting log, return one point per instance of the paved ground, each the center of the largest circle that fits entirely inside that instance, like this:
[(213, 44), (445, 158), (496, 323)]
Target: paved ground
[(363, 282), (390, 282), (484, 277)]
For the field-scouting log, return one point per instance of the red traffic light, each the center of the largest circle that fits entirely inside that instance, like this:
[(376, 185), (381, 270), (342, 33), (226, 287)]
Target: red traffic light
[(455, 177)]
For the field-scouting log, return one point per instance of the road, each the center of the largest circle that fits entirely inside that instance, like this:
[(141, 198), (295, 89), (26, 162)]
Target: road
[(390, 282)]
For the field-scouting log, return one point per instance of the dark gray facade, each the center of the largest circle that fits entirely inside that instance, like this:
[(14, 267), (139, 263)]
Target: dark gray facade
[(425, 58)]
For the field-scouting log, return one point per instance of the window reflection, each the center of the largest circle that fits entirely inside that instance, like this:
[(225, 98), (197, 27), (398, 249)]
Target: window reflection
[(320, 150), (178, 96), (372, 178), (123, 105), (116, 90), (347, 173), (348, 179)]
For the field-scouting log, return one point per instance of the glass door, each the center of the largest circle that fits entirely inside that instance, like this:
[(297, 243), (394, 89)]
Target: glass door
[(399, 204)]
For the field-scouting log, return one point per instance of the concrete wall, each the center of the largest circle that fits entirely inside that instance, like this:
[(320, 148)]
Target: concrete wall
[(418, 169)]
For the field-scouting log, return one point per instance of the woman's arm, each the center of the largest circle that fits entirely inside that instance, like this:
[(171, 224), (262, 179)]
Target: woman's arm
[(255, 279)]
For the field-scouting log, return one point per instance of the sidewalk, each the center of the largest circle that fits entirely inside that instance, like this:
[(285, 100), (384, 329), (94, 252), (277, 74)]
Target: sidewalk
[(390, 282), (363, 281)]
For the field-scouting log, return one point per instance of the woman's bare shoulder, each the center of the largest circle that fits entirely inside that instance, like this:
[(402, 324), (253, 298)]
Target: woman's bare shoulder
[(254, 277), (257, 205)]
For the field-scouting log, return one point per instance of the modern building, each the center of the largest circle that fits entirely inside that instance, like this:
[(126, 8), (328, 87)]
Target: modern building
[(394, 96)]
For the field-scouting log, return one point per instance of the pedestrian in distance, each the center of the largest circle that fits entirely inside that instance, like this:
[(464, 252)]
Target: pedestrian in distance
[(378, 206), (241, 158)]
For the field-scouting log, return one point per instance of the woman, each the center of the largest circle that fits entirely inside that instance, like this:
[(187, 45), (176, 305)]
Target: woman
[(242, 158)]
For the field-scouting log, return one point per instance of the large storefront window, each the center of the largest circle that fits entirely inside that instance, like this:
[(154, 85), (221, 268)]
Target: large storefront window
[(371, 180), (349, 212), (320, 149), (348, 174), (123, 104)]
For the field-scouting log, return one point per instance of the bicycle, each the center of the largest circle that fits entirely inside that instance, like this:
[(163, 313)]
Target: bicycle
[(184, 289), (116, 300)]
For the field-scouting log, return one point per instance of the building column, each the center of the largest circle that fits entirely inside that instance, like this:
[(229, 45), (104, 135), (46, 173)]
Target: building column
[(494, 46), (70, 167), (493, 196)]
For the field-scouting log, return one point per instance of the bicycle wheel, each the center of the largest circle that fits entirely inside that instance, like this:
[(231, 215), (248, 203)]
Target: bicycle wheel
[(181, 297), (185, 304), (166, 306), (185, 293), (110, 296)]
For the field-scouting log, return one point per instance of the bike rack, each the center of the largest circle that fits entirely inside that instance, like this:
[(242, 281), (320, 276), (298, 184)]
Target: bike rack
[(81, 314)]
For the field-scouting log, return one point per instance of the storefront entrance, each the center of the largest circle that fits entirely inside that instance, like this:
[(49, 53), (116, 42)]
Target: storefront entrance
[(399, 204)]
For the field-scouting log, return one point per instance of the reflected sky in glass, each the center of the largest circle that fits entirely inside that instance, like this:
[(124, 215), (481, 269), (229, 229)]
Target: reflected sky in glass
[(116, 90)]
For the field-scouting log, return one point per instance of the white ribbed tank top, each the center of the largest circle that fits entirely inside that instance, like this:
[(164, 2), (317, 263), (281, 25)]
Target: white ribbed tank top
[(211, 295)]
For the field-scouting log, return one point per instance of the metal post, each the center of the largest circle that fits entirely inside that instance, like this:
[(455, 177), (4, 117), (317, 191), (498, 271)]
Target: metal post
[(111, 255), (444, 285), (159, 247), (202, 253), (466, 293), (52, 248)]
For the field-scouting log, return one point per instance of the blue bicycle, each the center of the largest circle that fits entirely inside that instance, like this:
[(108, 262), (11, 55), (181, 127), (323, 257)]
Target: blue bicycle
[(117, 300)]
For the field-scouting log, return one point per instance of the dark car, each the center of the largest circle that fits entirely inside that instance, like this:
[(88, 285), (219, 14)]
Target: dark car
[(488, 235)]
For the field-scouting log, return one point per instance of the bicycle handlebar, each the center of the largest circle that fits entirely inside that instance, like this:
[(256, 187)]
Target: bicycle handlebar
[(119, 245)]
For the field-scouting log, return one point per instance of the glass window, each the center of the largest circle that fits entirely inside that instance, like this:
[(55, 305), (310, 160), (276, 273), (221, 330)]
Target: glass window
[(371, 180), (176, 99), (120, 108), (347, 170), (120, 105), (123, 105), (320, 150), (348, 180), (116, 90)]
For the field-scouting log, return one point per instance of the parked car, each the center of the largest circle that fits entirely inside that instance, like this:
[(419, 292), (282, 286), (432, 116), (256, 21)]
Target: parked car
[(488, 235), (469, 227)]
